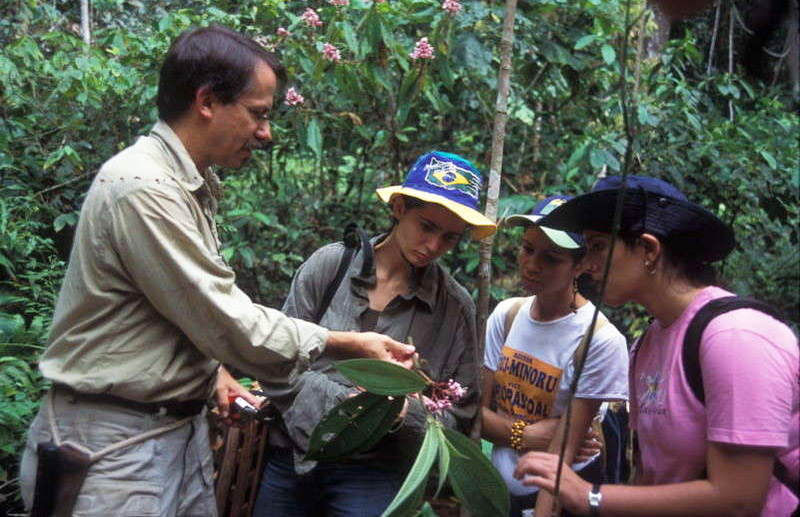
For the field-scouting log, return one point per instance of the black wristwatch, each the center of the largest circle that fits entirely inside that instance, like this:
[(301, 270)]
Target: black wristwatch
[(595, 498)]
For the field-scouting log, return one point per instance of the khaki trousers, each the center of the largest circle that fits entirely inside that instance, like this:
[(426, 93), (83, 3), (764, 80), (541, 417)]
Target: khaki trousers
[(169, 475)]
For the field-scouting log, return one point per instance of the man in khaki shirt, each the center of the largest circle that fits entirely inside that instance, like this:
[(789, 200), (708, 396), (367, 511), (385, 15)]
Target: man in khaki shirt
[(149, 309)]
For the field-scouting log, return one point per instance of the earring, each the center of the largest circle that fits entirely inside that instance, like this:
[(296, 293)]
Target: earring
[(574, 304), (649, 267)]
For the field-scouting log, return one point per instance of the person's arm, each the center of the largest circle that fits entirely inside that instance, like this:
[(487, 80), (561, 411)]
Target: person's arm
[(497, 426), (167, 258), (308, 397), (738, 474), (737, 485), (583, 411)]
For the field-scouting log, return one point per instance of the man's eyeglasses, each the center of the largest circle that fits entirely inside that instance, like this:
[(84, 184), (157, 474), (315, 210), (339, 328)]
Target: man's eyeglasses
[(261, 116)]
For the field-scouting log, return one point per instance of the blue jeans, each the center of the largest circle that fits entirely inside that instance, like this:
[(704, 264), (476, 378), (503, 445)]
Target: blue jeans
[(330, 490)]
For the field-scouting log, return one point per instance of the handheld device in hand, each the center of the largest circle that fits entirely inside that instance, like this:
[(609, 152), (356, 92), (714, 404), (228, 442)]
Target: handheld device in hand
[(241, 408)]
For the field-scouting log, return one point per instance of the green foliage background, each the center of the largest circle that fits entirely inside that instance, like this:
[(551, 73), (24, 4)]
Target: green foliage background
[(66, 108)]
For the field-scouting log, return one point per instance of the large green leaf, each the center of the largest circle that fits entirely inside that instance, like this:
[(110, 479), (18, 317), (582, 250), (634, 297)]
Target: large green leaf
[(609, 54), (475, 481), (444, 458), (381, 377), (353, 426), (314, 137), (409, 497)]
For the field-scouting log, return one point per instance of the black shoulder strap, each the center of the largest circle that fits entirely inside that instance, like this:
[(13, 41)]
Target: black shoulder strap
[(691, 356), (691, 341), (353, 238)]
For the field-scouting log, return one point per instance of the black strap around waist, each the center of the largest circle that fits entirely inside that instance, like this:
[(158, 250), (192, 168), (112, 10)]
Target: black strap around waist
[(175, 408)]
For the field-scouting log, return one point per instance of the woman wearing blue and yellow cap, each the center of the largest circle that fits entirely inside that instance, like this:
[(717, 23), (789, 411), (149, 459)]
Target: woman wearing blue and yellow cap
[(405, 294), (530, 355)]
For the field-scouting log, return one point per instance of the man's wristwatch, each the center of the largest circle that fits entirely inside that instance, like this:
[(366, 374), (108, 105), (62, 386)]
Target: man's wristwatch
[(595, 498)]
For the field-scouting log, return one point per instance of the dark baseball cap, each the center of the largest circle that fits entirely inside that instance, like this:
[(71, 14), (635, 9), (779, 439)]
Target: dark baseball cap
[(650, 205)]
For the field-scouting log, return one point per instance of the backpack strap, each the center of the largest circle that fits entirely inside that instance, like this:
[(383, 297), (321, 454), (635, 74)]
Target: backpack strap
[(694, 332), (691, 357), (511, 315), (354, 237)]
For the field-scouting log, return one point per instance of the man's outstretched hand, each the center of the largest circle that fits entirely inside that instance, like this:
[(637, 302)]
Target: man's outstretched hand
[(370, 345)]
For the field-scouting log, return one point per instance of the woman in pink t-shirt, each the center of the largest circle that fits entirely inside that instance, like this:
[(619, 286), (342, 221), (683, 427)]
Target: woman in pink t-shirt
[(712, 458)]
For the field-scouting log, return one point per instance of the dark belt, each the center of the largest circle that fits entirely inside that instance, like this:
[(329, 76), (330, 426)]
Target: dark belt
[(176, 408)]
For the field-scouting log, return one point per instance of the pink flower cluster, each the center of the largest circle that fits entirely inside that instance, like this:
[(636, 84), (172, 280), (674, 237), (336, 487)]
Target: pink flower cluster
[(283, 32), (293, 98), (339, 2), (311, 18), (422, 50), (331, 53), (443, 395), (451, 6)]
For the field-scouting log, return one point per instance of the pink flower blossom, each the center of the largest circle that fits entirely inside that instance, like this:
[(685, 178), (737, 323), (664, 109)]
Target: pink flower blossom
[(282, 32), (443, 395), (339, 2), (293, 98), (311, 18), (331, 53), (422, 50), (451, 6)]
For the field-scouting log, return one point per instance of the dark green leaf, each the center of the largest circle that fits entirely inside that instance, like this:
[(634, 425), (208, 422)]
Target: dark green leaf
[(475, 481), (381, 377), (773, 163), (353, 426)]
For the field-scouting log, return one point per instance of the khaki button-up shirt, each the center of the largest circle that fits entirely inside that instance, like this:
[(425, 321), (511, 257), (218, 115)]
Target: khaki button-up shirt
[(148, 306)]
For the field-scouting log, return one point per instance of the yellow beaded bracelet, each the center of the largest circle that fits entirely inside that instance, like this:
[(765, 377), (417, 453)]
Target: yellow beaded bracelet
[(516, 434)]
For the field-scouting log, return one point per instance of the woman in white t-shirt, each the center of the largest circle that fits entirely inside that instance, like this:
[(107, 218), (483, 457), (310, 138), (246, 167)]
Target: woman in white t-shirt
[(530, 355)]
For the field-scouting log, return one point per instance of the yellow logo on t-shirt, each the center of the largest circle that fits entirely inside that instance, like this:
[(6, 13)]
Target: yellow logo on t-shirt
[(525, 387)]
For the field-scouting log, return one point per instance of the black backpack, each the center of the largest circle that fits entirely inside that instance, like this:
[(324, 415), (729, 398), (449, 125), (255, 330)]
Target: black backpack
[(691, 357)]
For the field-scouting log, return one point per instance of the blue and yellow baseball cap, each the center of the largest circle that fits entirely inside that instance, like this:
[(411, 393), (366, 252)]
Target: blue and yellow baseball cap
[(448, 180), (545, 206)]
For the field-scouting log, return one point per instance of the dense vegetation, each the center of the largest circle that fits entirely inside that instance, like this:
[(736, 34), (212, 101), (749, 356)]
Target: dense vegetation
[(727, 139)]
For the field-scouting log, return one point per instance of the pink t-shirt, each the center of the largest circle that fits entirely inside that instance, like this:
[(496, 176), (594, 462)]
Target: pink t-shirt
[(750, 377)]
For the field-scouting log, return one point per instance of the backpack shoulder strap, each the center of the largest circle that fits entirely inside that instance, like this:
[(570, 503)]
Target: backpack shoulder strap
[(601, 322), (511, 315), (353, 238), (694, 333), (691, 356)]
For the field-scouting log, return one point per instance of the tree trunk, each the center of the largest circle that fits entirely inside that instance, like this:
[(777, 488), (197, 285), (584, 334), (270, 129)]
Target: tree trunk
[(639, 54), (496, 166), (793, 44), (86, 22), (731, 23), (713, 47), (660, 38)]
